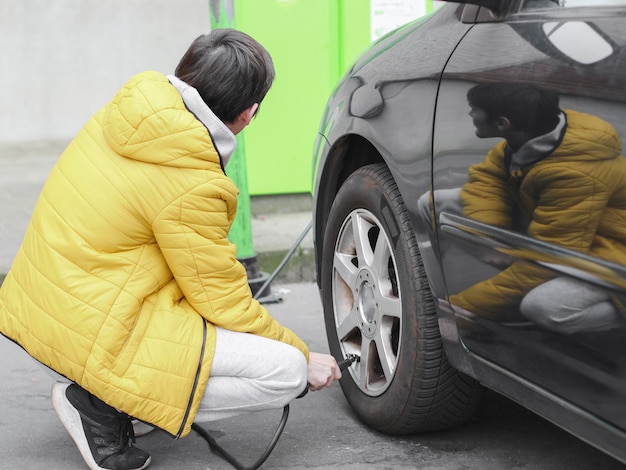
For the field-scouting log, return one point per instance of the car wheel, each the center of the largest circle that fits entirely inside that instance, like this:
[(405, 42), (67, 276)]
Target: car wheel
[(378, 305)]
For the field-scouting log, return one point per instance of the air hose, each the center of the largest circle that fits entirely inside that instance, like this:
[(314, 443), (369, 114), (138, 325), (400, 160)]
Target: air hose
[(215, 447), (283, 262), (343, 365)]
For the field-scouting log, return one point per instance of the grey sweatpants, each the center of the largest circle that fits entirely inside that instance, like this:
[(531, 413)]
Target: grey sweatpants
[(570, 306), (251, 373)]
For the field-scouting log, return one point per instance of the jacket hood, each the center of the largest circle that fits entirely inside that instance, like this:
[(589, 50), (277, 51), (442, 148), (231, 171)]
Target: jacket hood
[(588, 138), (536, 149), (164, 121)]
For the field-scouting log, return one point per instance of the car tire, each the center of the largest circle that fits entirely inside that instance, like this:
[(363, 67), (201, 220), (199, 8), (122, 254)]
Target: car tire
[(378, 306)]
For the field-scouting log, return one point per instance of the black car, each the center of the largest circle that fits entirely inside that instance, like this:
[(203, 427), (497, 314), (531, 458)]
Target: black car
[(470, 217)]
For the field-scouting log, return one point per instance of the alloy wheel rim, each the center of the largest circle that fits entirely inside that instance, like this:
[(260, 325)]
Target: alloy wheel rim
[(367, 301)]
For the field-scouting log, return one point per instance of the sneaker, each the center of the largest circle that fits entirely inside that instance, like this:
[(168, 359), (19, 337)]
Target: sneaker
[(140, 428), (104, 436)]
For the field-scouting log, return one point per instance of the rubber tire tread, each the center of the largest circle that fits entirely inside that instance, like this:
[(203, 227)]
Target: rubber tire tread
[(426, 393)]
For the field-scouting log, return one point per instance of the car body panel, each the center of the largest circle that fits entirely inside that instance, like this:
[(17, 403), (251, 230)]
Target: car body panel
[(400, 130), (584, 369), (404, 103)]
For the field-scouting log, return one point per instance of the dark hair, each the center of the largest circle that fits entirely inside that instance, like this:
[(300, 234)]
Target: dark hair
[(230, 70), (528, 107)]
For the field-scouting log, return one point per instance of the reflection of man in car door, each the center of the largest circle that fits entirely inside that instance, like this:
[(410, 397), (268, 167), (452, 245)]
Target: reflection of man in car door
[(559, 177)]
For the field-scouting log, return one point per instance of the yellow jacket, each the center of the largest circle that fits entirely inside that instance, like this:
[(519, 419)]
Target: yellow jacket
[(575, 198), (125, 267)]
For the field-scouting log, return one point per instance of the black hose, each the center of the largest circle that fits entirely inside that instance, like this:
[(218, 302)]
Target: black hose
[(215, 447), (281, 265)]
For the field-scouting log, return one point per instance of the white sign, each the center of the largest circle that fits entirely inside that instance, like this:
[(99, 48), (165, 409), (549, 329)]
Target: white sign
[(387, 15)]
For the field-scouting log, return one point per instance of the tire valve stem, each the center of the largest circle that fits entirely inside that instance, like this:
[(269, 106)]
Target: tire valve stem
[(348, 361)]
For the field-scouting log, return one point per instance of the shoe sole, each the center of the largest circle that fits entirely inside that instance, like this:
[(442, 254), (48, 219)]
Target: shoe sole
[(70, 417)]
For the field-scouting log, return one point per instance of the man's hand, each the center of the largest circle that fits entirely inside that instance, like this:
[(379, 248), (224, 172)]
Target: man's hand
[(322, 371)]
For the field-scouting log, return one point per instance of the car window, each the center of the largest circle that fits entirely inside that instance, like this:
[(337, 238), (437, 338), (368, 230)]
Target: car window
[(545, 4), (579, 41)]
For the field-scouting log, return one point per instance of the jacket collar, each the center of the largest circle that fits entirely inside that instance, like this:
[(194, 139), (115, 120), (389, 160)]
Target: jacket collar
[(538, 148), (223, 138)]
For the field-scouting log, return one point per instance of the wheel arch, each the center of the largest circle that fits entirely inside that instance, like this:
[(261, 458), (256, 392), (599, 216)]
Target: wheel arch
[(349, 153)]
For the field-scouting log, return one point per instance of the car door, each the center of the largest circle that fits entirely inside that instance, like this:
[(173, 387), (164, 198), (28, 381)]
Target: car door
[(494, 264)]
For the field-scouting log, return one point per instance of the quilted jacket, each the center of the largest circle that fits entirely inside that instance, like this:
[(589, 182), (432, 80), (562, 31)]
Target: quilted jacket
[(575, 197), (125, 267)]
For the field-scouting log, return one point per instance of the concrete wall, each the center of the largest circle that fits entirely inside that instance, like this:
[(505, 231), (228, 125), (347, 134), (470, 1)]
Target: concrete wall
[(61, 60)]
